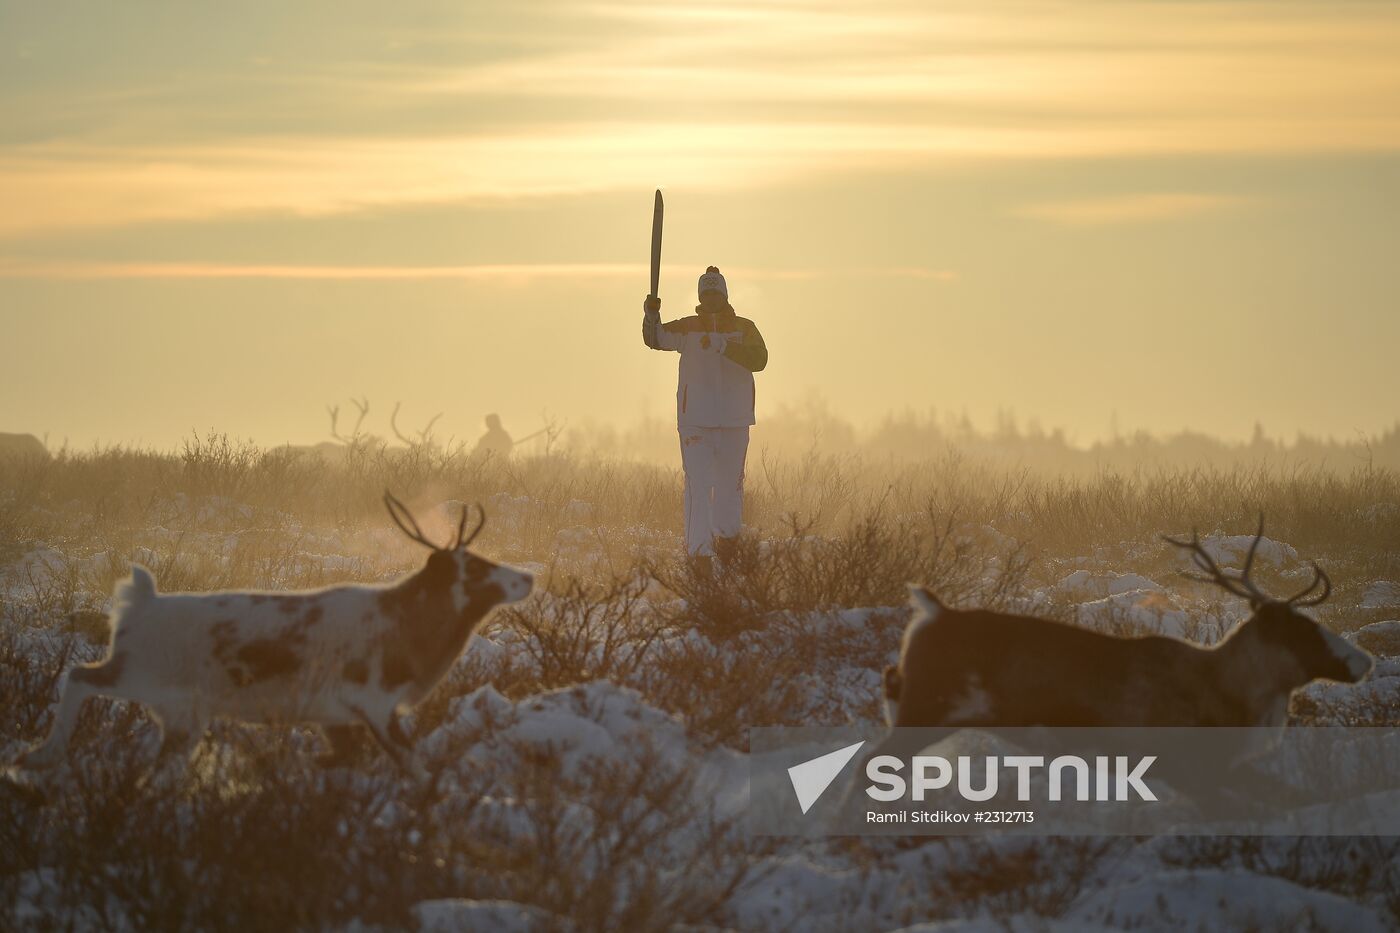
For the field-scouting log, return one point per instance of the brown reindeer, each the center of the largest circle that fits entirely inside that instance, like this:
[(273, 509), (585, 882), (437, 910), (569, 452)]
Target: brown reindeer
[(981, 668)]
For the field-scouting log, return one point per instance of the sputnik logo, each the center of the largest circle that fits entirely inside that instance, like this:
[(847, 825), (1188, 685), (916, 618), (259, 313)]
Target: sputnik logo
[(811, 778)]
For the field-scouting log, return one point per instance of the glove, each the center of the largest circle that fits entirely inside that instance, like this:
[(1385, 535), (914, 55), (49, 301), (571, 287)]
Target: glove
[(651, 305)]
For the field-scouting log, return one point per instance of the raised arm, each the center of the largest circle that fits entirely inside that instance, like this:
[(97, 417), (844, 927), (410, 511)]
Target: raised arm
[(654, 333), (750, 351)]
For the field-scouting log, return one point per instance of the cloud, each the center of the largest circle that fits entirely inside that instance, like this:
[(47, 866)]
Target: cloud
[(1127, 208), (47, 269), (621, 95), (510, 273)]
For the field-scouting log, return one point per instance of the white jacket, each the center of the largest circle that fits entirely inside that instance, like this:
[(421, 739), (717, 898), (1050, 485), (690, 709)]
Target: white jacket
[(720, 352)]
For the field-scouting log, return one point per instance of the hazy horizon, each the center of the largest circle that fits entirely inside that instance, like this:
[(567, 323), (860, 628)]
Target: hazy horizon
[(1163, 215), (451, 429)]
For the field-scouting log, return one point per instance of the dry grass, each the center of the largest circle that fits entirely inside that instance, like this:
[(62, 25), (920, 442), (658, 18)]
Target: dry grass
[(263, 838)]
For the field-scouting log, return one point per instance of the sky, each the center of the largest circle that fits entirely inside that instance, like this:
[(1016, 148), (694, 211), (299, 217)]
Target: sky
[(1144, 215)]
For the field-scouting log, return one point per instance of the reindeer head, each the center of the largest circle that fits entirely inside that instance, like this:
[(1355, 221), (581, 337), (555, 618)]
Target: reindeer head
[(1318, 652), (470, 579)]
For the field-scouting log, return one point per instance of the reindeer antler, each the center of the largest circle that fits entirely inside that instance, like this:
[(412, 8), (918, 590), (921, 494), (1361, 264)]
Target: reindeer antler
[(1241, 586), (1318, 577), (424, 436), (404, 519), (394, 425), (362, 404), (463, 539)]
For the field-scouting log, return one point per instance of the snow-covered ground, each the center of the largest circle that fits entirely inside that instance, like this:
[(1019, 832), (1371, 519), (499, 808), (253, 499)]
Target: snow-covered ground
[(599, 734)]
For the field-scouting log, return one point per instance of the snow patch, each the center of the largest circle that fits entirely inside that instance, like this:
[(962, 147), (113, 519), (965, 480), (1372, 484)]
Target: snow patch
[(1382, 594), (1230, 551), (452, 915), (1145, 612), (1083, 584), (1208, 900), (1379, 638)]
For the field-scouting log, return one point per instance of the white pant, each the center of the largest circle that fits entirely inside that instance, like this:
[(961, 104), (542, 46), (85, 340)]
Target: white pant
[(713, 459)]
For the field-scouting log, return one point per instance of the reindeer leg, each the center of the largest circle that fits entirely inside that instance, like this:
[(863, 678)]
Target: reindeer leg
[(345, 746), (397, 735), (391, 738), (82, 682), (181, 729), (183, 732)]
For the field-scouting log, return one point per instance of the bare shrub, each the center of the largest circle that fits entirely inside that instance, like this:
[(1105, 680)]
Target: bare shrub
[(804, 611), (1038, 876), (721, 692), (586, 631), (868, 562), (610, 845), (30, 669), (255, 838)]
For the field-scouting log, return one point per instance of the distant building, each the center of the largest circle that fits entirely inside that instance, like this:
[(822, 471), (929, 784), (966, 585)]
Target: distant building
[(22, 445)]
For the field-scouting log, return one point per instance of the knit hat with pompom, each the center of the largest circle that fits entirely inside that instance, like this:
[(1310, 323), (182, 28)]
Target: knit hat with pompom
[(713, 281)]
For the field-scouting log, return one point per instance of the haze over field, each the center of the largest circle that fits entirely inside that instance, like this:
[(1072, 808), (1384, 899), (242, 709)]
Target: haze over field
[(1172, 213), (1071, 325)]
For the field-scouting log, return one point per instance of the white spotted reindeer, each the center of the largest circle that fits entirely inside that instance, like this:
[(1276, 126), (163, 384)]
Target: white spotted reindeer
[(339, 657)]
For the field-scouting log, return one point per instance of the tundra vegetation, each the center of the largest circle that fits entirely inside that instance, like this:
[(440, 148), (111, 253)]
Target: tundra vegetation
[(584, 751)]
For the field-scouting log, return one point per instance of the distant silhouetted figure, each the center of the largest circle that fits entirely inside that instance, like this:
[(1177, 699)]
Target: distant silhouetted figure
[(720, 352), (495, 442)]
